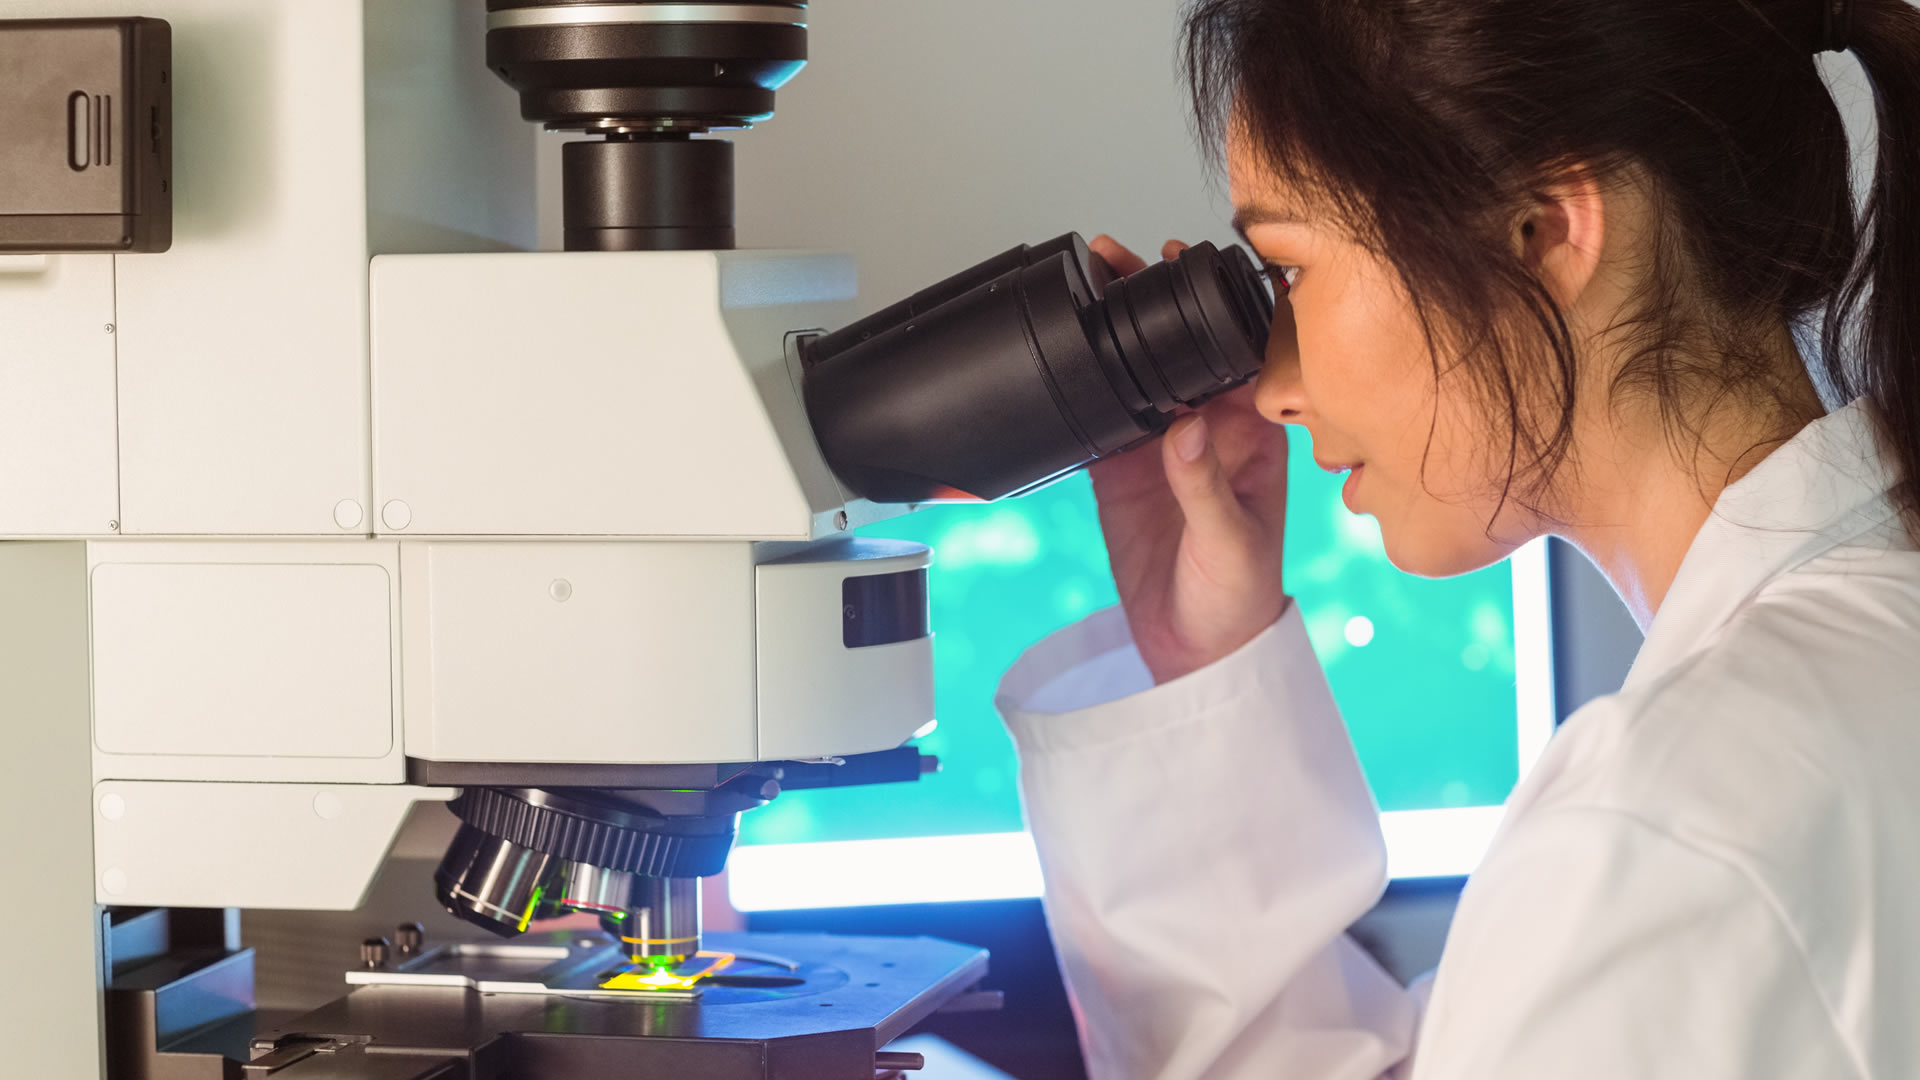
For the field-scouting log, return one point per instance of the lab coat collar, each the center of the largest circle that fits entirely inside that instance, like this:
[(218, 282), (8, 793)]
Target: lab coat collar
[(1825, 486)]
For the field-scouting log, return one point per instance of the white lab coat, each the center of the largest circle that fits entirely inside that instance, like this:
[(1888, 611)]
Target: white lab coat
[(1713, 873)]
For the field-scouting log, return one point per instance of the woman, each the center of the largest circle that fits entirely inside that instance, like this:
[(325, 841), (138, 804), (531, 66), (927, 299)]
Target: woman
[(1548, 263)]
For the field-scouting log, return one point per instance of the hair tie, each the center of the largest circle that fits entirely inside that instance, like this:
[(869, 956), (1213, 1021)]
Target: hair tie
[(1836, 25)]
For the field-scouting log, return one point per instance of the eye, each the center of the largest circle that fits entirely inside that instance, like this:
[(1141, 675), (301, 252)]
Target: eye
[(1282, 277)]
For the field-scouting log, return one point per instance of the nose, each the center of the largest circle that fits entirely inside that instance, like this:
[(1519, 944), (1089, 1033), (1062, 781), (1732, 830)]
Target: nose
[(1280, 395)]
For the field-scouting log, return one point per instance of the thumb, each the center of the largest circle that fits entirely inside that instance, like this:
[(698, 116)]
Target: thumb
[(1200, 484)]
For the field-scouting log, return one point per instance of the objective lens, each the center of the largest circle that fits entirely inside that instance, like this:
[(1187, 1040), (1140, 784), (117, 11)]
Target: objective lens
[(495, 883), (1027, 367), (661, 922)]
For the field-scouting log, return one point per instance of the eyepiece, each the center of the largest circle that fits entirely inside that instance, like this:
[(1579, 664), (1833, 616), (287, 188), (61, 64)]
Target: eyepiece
[(1034, 363)]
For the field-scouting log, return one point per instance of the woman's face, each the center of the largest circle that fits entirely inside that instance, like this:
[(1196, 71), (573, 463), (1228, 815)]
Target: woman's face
[(1349, 363)]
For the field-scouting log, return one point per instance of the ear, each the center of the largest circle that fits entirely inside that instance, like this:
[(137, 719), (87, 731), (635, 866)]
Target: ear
[(1562, 236)]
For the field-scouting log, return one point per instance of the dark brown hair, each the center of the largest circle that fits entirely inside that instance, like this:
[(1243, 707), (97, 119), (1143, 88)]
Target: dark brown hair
[(1426, 125)]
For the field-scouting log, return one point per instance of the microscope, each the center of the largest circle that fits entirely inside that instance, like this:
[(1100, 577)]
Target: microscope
[(326, 495)]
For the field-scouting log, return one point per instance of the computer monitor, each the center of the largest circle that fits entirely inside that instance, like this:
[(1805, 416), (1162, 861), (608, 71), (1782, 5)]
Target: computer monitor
[(1445, 685)]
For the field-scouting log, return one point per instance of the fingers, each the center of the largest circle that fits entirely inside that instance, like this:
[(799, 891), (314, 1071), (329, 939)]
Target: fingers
[(1253, 451), (1201, 484), (1123, 261), (1242, 438), (1131, 477)]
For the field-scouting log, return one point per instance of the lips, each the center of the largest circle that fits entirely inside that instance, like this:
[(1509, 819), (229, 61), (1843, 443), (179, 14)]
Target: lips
[(1337, 469)]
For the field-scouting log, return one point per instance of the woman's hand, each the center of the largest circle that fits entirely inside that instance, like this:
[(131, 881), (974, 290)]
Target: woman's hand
[(1194, 524)]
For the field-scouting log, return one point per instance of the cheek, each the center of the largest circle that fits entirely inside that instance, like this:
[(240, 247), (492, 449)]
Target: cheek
[(1439, 501), (1366, 369), (1363, 364)]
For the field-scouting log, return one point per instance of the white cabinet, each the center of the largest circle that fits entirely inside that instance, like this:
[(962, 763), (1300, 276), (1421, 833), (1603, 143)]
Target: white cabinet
[(58, 473)]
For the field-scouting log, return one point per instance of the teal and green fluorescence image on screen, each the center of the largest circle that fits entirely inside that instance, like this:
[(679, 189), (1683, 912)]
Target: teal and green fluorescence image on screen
[(1423, 670)]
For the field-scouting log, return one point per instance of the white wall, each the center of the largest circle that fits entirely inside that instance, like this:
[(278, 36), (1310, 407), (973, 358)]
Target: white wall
[(923, 137), (926, 136)]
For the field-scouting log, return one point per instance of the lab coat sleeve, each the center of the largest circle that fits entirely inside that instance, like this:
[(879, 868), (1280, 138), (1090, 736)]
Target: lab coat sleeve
[(1205, 845), (1593, 946)]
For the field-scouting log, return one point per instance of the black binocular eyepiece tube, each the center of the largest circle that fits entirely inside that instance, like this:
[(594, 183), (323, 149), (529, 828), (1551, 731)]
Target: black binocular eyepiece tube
[(1028, 366)]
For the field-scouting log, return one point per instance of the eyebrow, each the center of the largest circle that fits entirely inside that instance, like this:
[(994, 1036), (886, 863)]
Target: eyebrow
[(1246, 217)]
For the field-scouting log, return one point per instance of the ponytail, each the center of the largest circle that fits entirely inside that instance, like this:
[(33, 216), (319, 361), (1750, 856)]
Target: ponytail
[(1871, 336)]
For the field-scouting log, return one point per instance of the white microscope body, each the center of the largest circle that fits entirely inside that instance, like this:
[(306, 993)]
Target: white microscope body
[(350, 484)]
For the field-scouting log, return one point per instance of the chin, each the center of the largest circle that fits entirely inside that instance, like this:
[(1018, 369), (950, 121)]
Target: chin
[(1438, 552)]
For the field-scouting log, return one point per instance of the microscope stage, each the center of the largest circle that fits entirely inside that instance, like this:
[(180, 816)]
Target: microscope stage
[(796, 1006), (594, 965)]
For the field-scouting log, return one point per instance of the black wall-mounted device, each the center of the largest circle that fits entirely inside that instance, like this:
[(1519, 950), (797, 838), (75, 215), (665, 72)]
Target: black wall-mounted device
[(86, 135)]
